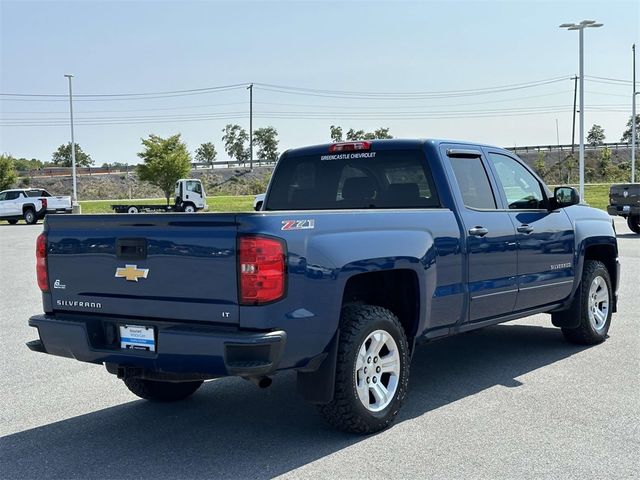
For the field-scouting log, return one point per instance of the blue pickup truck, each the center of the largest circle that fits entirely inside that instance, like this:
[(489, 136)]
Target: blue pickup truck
[(361, 251)]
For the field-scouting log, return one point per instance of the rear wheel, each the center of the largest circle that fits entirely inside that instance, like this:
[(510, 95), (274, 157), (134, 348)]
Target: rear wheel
[(372, 371), (633, 221), (595, 307), (29, 216), (12, 222), (133, 209), (161, 391)]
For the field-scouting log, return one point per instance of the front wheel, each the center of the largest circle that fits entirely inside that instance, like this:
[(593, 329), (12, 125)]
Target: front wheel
[(189, 208), (161, 391), (29, 216), (595, 306), (372, 371), (633, 221)]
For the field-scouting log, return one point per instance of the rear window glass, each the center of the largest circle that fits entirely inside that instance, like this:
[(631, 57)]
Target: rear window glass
[(37, 193), (386, 179)]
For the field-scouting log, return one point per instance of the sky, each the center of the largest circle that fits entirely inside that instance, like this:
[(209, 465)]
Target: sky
[(497, 72)]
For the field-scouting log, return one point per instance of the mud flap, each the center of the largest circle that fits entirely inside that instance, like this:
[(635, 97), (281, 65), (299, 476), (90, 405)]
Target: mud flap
[(317, 386), (569, 318)]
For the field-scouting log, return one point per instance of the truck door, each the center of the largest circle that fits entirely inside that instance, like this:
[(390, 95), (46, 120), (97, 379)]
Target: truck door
[(194, 193), (12, 204), (545, 238), (490, 236)]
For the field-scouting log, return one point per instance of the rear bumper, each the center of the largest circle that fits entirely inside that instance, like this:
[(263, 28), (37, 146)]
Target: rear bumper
[(51, 211), (620, 210), (180, 348)]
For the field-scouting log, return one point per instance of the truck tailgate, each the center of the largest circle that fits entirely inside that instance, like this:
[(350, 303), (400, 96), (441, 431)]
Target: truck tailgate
[(165, 266)]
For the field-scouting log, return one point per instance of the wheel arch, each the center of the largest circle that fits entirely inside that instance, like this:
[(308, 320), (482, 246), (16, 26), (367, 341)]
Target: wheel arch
[(397, 290)]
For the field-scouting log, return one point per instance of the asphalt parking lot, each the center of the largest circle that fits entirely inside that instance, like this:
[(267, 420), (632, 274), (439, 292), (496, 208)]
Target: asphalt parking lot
[(511, 401)]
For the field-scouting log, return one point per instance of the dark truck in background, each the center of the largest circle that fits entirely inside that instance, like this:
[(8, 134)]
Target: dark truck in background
[(361, 251), (624, 200)]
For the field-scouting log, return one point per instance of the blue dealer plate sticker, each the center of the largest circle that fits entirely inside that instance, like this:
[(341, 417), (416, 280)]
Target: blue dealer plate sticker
[(137, 337)]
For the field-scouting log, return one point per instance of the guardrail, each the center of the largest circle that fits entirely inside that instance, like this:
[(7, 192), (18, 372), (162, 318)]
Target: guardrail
[(66, 171), (539, 148)]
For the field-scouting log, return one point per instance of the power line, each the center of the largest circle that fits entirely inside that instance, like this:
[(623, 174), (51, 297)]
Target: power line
[(171, 92)]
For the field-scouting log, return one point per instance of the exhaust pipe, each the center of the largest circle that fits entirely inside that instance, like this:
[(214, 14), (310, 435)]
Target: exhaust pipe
[(261, 382)]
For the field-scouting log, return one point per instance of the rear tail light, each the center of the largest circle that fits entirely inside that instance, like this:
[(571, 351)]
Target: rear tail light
[(261, 269), (349, 146), (44, 203), (41, 262)]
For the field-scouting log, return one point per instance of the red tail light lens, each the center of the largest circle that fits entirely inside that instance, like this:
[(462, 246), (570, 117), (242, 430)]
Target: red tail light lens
[(41, 262), (349, 146), (44, 203), (261, 268)]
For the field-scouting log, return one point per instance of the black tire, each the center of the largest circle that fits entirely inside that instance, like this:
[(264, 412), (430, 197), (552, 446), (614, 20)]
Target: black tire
[(346, 411), (133, 209), (29, 216), (587, 333), (633, 221), (12, 222), (161, 391), (189, 208)]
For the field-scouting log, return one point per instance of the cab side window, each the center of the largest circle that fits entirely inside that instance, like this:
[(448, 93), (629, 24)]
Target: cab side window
[(194, 187), (473, 182), (522, 189)]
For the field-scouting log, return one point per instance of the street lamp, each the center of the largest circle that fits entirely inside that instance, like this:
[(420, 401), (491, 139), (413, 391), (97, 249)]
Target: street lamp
[(633, 119), (581, 26), (74, 199)]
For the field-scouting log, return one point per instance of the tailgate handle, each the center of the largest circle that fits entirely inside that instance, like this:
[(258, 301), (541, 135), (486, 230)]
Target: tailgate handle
[(131, 248)]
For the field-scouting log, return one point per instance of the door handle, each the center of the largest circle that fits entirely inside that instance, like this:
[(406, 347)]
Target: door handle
[(478, 231), (525, 228)]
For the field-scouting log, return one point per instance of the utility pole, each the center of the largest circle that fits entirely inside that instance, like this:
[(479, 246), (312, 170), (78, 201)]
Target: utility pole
[(250, 88), (575, 96), (75, 207), (633, 120)]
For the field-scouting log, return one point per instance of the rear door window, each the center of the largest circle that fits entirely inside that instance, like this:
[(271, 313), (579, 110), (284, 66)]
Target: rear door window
[(383, 179), (473, 183)]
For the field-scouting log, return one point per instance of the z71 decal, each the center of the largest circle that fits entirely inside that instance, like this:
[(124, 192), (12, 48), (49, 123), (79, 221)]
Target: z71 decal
[(298, 224)]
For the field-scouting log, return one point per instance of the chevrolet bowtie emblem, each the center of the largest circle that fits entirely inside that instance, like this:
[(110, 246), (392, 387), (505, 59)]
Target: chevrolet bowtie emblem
[(132, 273)]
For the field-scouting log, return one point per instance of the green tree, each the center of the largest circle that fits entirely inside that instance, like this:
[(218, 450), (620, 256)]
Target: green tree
[(62, 156), (626, 136), (595, 135), (23, 164), (165, 161), (235, 137), (336, 133), (206, 153), (266, 139), (8, 175), (540, 166), (114, 165), (354, 135), (605, 166), (381, 133)]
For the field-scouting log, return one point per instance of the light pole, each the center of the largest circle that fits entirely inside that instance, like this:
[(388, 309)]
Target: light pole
[(633, 119), (581, 26), (74, 199)]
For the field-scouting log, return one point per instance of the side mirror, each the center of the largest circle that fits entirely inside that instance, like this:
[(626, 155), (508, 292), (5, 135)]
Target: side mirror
[(565, 196)]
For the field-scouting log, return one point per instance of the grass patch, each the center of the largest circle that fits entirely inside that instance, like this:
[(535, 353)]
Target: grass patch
[(596, 195), (241, 203)]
